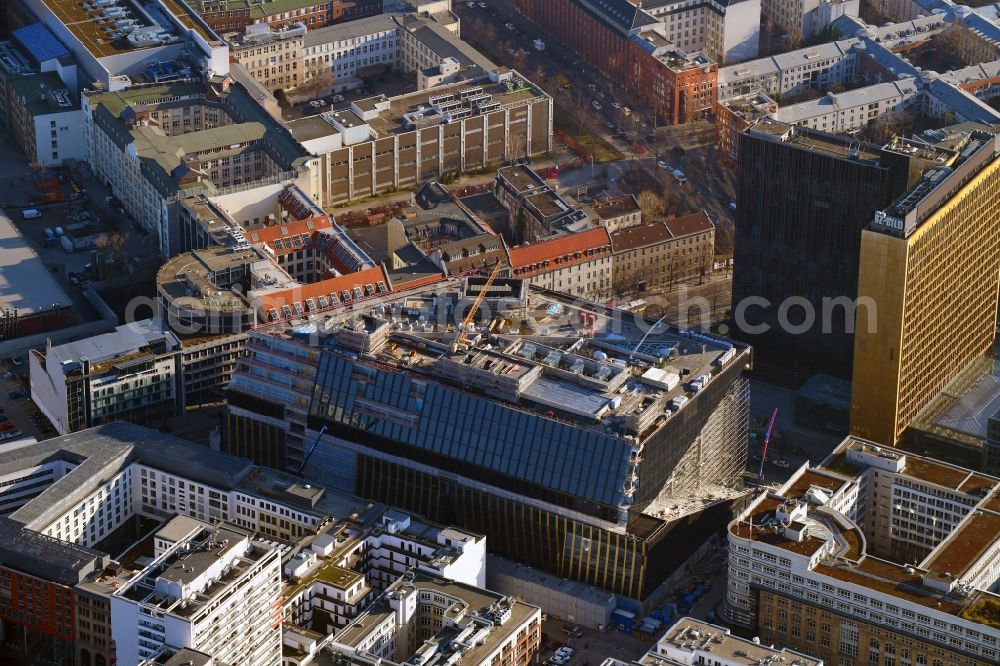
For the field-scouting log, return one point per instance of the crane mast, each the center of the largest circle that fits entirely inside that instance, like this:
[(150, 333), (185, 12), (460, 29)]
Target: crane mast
[(462, 337)]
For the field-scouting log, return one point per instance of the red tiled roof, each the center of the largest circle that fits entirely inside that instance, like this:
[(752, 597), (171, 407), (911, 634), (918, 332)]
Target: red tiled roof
[(331, 292), (587, 244), (268, 235), (689, 224)]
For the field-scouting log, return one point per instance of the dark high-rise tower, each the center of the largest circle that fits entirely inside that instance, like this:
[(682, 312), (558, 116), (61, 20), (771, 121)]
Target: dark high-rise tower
[(804, 197)]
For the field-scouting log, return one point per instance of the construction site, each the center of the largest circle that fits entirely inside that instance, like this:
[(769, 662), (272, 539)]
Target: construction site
[(580, 435)]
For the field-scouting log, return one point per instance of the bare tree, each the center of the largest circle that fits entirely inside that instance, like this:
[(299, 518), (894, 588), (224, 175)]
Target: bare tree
[(319, 78), (653, 206), (112, 245), (883, 128)]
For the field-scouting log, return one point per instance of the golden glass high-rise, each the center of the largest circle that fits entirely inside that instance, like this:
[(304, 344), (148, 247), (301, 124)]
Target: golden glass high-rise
[(927, 285)]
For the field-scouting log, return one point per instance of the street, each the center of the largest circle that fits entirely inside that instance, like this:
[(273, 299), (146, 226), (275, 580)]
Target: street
[(796, 445), (591, 101)]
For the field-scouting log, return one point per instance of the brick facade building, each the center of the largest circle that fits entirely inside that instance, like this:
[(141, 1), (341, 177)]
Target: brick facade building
[(629, 45)]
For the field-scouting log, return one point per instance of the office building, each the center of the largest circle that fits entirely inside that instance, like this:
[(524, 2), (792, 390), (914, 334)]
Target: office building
[(798, 237), (662, 254), (117, 45), (155, 145), (875, 556), (133, 373), (534, 209), (212, 532), (351, 50), (421, 618), (691, 642), (272, 56), (214, 591), (376, 402), (382, 144), (39, 105), (938, 238), (229, 15)]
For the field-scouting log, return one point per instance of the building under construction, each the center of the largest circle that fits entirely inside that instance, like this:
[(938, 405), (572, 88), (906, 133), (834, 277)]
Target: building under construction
[(582, 440)]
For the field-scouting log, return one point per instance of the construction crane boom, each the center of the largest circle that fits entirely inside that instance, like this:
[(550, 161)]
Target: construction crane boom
[(309, 453), (767, 440), (462, 337)]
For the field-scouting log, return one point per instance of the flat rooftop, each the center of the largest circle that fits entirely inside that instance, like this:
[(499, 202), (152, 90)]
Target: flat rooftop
[(25, 282), (551, 362), (471, 609), (96, 30), (189, 278), (925, 583), (940, 182), (815, 140), (393, 121), (691, 635)]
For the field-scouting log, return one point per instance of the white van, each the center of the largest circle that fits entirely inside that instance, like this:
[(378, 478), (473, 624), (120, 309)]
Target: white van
[(30, 213)]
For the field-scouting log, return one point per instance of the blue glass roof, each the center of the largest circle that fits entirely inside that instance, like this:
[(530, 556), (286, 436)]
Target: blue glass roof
[(39, 41)]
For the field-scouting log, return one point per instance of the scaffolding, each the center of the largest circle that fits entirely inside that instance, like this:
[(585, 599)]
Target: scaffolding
[(711, 470)]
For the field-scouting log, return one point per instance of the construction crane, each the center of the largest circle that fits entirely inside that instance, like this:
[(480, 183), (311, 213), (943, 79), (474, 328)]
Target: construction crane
[(309, 453), (763, 453), (462, 337)]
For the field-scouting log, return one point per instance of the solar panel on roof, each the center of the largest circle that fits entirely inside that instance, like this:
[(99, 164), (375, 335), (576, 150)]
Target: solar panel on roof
[(40, 42)]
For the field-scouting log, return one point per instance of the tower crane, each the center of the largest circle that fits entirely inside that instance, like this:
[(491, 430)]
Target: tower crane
[(462, 337)]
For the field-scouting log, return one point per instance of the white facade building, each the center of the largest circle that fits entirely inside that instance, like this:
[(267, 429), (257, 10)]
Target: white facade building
[(888, 541), (691, 642), (217, 592), (804, 19), (422, 618), (852, 110), (727, 30), (791, 73), (134, 372)]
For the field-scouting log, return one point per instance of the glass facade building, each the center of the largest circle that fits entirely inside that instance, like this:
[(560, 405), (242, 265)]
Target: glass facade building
[(567, 495)]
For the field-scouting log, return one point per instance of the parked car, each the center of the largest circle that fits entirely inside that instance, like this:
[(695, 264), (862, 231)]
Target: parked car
[(338, 98), (783, 464), (573, 630), (317, 103), (596, 105), (732, 205), (662, 164), (30, 213), (509, 26), (15, 434), (16, 395), (615, 104)]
